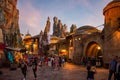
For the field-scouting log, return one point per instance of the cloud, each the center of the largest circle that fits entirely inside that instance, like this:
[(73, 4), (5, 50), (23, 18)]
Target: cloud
[(33, 13), (29, 15), (84, 3)]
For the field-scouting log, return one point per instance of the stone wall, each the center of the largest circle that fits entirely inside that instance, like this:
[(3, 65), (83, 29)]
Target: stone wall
[(81, 43), (112, 30)]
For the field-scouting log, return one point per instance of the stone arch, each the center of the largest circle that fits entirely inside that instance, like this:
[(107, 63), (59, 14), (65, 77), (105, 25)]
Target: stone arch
[(93, 49)]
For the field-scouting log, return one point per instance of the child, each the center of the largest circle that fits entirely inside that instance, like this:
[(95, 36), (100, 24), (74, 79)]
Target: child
[(91, 72)]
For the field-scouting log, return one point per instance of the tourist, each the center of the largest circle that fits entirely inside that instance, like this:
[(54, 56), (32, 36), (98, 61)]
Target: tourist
[(56, 62), (63, 61), (118, 70), (112, 68), (23, 67), (46, 61), (53, 62), (88, 66), (34, 67), (49, 62), (91, 72), (40, 63)]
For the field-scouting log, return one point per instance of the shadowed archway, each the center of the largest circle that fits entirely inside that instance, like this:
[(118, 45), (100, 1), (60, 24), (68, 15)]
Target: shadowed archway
[(93, 50)]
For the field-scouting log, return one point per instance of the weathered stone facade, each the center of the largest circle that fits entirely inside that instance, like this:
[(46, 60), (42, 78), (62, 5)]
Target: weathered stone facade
[(86, 41), (89, 42), (9, 17), (112, 30)]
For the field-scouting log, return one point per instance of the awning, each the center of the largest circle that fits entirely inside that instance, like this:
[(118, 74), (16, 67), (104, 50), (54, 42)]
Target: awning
[(16, 49)]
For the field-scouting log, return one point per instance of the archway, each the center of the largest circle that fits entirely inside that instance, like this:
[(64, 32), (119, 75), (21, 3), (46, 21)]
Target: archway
[(94, 52)]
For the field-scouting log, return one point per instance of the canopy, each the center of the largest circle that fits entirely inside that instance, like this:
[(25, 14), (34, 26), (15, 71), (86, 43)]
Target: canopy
[(16, 49)]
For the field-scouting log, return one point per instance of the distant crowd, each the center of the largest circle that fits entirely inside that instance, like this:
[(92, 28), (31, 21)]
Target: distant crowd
[(54, 62), (57, 62)]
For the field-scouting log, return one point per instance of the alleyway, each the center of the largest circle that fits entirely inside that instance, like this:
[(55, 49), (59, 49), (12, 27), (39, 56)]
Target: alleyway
[(69, 72)]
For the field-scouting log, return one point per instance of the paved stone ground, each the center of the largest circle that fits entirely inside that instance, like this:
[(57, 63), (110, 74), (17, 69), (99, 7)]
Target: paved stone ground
[(68, 72)]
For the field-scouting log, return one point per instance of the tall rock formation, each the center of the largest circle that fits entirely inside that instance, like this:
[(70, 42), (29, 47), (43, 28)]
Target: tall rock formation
[(9, 16), (59, 30)]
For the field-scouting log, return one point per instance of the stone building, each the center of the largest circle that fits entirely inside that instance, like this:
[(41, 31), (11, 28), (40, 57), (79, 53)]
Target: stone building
[(27, 41), (38, 44), (88, 41), (111, 30)]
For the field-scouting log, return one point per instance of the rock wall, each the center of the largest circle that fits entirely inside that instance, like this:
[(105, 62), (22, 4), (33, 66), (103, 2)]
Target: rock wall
[(9, 16)]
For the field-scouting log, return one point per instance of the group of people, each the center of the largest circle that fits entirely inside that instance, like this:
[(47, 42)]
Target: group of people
[(55, 62), (94, 62), (114, 68), (24, 65)]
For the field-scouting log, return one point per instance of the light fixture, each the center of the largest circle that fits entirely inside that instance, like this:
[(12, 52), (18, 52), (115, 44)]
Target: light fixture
[(76, 39), (98, 48), (79, 38)]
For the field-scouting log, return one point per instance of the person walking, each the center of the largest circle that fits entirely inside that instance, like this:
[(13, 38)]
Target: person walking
[(118, 70), (88, 66), (52, 63), (112, 68), (34, 68), (91, 72), (23, 67)]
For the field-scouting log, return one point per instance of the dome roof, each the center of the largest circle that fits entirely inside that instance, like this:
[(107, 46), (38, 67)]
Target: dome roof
[(87, 28)]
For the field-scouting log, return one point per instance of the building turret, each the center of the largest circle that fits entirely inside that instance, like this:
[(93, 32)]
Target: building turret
[(112, 16), (111, 30)]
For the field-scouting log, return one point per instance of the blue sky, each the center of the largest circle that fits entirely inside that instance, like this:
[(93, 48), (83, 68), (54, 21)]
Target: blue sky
[(33, 13)]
